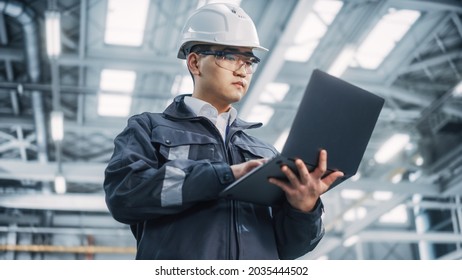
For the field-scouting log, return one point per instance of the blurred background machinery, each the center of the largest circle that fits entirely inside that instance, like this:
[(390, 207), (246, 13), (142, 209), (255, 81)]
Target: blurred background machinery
[(72, 72)]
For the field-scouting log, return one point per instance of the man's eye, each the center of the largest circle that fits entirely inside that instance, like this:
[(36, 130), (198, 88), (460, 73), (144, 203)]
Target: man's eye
[(230, 57)]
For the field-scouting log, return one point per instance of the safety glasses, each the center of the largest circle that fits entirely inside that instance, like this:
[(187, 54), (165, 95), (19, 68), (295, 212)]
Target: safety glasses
[(234, 61)]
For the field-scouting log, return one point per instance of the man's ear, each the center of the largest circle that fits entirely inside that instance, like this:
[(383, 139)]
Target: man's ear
[(193, 63)]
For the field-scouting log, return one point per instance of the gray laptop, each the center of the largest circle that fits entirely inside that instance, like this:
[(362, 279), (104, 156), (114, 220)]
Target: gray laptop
[(333, 115)]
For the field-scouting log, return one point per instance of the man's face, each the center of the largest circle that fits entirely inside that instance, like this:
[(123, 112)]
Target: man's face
[(221, 86)]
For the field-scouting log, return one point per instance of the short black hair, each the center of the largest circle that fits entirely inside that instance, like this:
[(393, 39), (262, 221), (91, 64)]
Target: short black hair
[(200, 48)]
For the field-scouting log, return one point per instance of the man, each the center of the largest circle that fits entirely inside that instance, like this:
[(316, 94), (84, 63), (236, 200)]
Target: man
[(168, 169)]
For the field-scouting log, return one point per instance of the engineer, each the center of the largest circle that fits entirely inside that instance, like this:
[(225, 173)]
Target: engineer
[(168, 168)]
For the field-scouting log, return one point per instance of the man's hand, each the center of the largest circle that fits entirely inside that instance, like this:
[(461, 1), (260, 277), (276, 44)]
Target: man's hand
[(241, 169), (302, 192)]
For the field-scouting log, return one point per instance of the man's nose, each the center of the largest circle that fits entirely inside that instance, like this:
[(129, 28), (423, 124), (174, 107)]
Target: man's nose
[(241, 71)]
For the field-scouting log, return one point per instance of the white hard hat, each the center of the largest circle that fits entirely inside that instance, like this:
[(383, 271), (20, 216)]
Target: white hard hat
[(221, 24)]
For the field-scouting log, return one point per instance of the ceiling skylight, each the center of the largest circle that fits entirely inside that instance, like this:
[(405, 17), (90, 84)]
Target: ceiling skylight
[(457, 92), (274, 92), (261, 113), (384, 37), (391, 147), (313, 29), (201, 3), (397, 215), (382, 195), (126, 22), (117, 80), (114, 105), (355, 214), (116, 87), (182, 84), (281, 141), (352, 194), (341, 63)]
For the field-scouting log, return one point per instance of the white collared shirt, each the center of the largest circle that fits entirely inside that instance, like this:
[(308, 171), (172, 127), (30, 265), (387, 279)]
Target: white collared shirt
[(205, 109)]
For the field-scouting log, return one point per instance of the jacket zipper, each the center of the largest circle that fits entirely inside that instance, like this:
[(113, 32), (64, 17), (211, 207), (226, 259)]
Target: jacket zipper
[(231, 203), (234, 219)]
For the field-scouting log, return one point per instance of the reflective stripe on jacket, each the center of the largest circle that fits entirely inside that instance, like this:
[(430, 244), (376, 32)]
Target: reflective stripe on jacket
[(164, 179)]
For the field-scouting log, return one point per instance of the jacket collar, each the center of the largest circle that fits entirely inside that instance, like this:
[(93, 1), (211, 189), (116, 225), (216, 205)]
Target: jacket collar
[(179, 110)]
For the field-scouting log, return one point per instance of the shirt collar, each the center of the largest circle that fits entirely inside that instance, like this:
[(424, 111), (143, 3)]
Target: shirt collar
[(205, 109)]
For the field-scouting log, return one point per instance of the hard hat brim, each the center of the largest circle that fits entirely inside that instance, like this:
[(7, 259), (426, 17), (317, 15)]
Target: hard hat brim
[(184, 49)]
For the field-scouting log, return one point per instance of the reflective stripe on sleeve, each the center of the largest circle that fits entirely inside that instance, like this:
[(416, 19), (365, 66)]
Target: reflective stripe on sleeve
[(172, 194), (179, 152)]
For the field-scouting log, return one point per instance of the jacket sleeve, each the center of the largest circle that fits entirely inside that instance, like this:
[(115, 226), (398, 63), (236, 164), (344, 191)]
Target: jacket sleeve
[(139, 186), (297, 233)]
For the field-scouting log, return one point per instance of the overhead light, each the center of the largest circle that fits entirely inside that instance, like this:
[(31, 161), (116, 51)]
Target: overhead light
[(382, 195), (312, 30), (413, 176), (350, 241), (391, 147), (182, 84), (114, 98), (57, 125), (419, 160), (201, 3), (117, 80), (356, 177), (383, 38), (457, 92), (398, 177), (341, 63), (60, 184), (261, 113), (397, 215), (53, 33), (354, 214), (274, 92), (351, 194), (280, 142), (114, 105), (126, 22)]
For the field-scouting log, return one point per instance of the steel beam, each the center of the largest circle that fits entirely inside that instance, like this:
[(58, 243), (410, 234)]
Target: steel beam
[(374, 215), (275, 60), (86, 172), (428, 5), (11, 54), (443, 58), (164, 65), (371, 185), (65, 202), (70, 231), (394, 236), (83, 172)]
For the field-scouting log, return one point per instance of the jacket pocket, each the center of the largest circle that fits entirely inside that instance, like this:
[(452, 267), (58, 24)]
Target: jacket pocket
[(175, 144), (251, 149)]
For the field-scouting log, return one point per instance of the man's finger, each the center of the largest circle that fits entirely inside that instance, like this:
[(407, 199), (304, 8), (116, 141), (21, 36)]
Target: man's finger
[(281, 184), (322, 165), (332, 177), (293, 179), (304, 174)]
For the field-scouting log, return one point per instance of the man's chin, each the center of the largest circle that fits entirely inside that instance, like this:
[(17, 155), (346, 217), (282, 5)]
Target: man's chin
[(238, 96)]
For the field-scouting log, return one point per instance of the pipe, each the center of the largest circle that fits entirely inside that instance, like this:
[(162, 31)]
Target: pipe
[(422, 225), (68, 249), (115, 232), (26, 17)]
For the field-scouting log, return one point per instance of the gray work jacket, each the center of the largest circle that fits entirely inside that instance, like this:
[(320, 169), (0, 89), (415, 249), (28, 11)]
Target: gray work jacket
[(164, 179)]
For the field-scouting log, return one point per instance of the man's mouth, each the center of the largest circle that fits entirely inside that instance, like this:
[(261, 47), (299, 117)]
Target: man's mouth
[(240, 84)]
